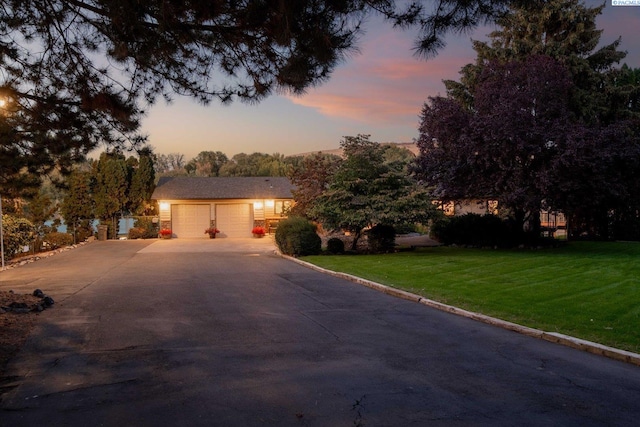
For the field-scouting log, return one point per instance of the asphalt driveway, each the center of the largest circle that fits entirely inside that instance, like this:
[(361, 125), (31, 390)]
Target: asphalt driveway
[(221, 332)]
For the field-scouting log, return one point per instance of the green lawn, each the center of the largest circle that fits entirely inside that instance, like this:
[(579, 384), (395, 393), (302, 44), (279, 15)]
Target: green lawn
[(584, 289)]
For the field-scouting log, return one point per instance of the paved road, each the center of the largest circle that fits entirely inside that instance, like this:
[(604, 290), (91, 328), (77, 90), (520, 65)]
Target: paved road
[(198, 334)]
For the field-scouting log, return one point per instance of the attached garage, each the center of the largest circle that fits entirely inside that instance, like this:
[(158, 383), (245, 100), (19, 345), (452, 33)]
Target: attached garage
[(234, 220), (233, 205), (190, 221)]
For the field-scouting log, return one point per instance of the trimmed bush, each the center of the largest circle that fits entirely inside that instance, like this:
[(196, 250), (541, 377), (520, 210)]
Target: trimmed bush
[(136, 233), (57, 240), (335, 246), (147, 228), (296, 236), (382, 239), (473, 230)]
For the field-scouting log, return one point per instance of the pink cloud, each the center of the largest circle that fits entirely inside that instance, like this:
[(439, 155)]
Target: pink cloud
[(386, 84), (384, 91)]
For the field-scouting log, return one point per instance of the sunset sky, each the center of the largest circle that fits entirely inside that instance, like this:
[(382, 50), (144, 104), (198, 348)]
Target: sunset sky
[(378, 91)]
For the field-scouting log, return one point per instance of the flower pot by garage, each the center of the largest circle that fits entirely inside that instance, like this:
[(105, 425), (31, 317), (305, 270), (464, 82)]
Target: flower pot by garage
[(258, 232), (211, 231)]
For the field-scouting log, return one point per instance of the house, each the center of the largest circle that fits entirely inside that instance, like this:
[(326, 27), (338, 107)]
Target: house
[(465, 206), (234, 205), (553, 224)]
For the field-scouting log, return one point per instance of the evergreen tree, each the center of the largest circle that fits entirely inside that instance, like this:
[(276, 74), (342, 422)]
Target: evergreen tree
[(77, 207), (561, 29), (111, 185), (75, 73), (39, 210), (142, 185)]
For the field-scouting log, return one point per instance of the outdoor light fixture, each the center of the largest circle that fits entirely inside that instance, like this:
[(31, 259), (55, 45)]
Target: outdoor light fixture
[(269, 203), (164, 206), (257, 205)]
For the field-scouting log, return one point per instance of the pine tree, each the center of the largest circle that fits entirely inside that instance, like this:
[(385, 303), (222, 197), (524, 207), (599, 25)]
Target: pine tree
[(564, 30), (111, 186), (142, 185), (77, 207), (76, 74)]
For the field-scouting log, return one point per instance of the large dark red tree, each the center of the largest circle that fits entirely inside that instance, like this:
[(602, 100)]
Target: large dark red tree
[(521, 145), (543, 118), (503, 147)]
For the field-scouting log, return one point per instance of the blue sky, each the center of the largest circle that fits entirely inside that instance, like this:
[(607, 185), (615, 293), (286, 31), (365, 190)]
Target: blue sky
[(378, 91)]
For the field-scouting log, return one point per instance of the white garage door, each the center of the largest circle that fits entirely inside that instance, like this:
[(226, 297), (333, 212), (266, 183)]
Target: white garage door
[(234, 220), (190, 221)]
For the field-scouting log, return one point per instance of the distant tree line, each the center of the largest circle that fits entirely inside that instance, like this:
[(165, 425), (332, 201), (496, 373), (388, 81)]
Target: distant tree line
[(216, 163)]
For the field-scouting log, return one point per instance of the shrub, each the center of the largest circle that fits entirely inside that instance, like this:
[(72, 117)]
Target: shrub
[(382, 239), (297, 237), (136, 233), (147, 229), (17, 233), (258, 230), (474, 230), (84, 230), (56, 240), (335, 246)]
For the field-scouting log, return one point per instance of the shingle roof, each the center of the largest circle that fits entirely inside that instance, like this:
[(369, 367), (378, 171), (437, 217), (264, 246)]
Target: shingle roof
[(205, 188)]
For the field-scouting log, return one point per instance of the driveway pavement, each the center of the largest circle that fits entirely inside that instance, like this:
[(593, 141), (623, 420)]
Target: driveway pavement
[(265, 244), (201, 333)]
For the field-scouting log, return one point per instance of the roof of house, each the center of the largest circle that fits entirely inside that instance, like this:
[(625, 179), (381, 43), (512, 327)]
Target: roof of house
[(205, 188)]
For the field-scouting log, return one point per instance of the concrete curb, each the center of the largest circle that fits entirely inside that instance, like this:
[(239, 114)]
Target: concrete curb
[(588, 346)]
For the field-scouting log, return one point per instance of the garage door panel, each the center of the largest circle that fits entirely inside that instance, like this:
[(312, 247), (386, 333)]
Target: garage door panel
[(234, 220), (190, 221)]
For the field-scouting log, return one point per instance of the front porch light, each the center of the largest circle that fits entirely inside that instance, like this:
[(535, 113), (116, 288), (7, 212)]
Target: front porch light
[(269, 203), (164, 206), (257, 205)]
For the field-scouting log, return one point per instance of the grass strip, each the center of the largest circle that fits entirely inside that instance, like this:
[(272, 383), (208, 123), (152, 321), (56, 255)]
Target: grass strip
[(589, 290)]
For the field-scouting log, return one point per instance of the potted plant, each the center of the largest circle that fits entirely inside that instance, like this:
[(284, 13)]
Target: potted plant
[(211, 231), (165, 233), (258, 231)]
